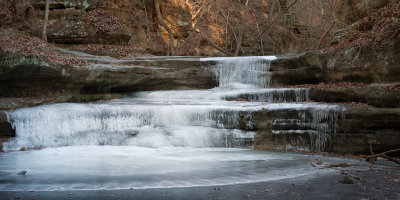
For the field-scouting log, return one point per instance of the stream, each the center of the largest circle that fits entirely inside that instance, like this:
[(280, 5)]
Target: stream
[(162, 139)]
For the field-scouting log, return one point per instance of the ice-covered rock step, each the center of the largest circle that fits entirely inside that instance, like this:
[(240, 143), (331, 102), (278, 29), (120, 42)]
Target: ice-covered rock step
[(272, 95), (298, 124), (232, 92), (69, 118), (219, 123), (145, 136)]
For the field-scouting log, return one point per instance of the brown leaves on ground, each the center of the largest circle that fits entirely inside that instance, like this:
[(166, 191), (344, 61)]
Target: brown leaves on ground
[(15, 41), (373, 30), (12, 40)]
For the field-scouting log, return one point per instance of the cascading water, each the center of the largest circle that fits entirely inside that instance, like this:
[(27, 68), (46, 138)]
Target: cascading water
[(169, 132), (245, 70)]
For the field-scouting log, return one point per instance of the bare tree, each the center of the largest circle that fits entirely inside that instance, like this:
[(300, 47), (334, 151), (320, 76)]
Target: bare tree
[(46, 19), (164, 24), (239, 43)]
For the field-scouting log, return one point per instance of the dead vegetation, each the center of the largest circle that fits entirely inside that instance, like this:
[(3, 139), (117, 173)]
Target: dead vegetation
[(373, 31), (384, 155), (15, 41)]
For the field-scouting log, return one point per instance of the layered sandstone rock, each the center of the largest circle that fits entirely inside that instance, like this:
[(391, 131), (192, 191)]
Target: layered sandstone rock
[(35, 77), (357, 64)]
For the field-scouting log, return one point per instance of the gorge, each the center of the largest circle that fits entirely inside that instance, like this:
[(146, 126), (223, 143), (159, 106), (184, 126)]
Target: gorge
[(199, 99), (179, 135)]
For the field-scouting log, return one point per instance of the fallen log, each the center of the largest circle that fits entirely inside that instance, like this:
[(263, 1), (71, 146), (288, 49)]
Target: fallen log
[(383, 155)]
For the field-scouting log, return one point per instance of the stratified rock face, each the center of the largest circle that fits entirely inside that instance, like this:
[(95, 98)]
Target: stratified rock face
[(364, 126), (23, 77), (78, 22), (108, 22), (350, 11), (357, 64), (354, 130), (375, 95)]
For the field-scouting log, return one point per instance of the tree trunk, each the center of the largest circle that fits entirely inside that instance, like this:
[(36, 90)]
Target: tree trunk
[(46, 19), (164, 24), (239, 43)]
